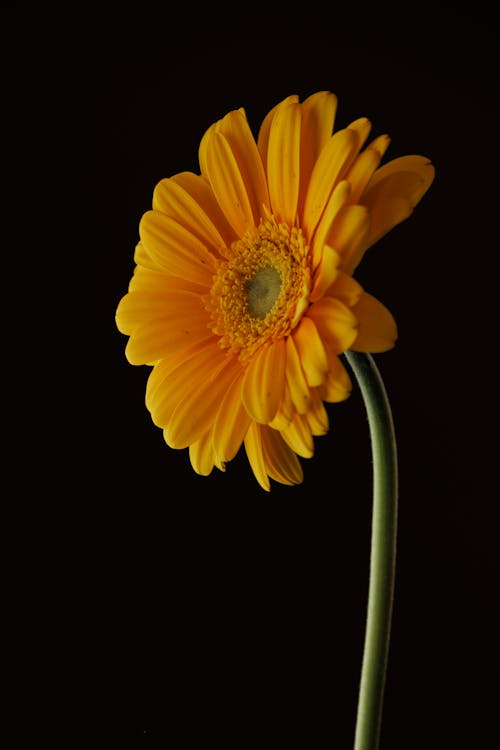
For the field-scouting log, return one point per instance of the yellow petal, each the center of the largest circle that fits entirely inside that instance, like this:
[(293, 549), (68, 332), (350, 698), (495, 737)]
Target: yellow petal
[(265, 128), (348, 234), (157, 282), (137, 308), (142, 258), (419, 166), (365, 164), (377, 328), (148, 280), (264, 381), (228, 183), (298, 436), (282, 464), (346, 289), (234, 127), (337, 386), (299, 390), (199, 188), (203, 149), (231, 423), (201, 454), (317, 417), (240, 184), (335, 322), (155, 339), (175, 250), (380, 144), (325, 274), (283, 162), (196, 411), (338, 199), (394, 191), (189, 200), (329, 169), (170, 381), (318, 117), (255, 455), (285, 413), (311, 351), (362, 127)]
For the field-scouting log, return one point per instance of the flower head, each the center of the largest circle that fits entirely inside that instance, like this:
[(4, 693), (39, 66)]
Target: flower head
[(243, 296)]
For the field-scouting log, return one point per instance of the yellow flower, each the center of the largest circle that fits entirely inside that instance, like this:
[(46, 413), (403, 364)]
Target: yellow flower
[(242, 298)]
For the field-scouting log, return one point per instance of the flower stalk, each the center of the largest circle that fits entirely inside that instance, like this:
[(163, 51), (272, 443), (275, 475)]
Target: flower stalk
[(382, 552)]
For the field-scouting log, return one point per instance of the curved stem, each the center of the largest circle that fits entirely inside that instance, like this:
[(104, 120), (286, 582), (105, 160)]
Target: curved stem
[(382, 553)]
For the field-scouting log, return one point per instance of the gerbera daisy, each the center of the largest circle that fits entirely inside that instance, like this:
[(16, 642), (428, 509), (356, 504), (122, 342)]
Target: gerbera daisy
[(242, 297)]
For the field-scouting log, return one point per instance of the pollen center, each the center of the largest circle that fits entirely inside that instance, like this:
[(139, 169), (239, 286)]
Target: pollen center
[(261, 288)]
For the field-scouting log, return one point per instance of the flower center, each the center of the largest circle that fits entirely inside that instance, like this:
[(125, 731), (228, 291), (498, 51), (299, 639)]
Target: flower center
[(261, 289)]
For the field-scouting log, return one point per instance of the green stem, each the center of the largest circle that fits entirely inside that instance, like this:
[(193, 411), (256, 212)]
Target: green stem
[(382, 553)]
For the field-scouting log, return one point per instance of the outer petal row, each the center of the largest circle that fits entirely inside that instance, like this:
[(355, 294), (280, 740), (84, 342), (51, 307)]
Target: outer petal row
[(392, 193), (175, 250), (189, 199), (230, 161), (248, 177)]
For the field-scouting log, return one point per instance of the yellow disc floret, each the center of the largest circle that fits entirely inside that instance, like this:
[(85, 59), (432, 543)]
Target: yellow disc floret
[(261, 289)]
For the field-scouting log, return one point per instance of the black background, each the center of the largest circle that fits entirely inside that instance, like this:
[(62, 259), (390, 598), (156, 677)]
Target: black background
[(145, 606)]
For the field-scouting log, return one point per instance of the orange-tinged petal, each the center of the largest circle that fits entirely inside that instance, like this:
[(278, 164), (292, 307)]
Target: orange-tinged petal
[(337, 386), (231, 423), (234, 127), (202, 193), (318, 117), (201, 454), (317, 417), (414, 164), (255, 455), (228, 183), (338, 199), (170, 380), (154, 339), (140, 307), (330, 168), (285, 413), (377, 328), (175, 250), (147, 280), (380, 144), (348, 234), (265, 128), (326, 273), (362, 127), (142, 258), (281, 463), (394, 191), (299, 437), (300, 392), (172, 197), (346, 289), (335, 322), (364, 166), (203, 149), (283, 162), (264, 381), (197, 410), (311, 351), (157, 282)]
